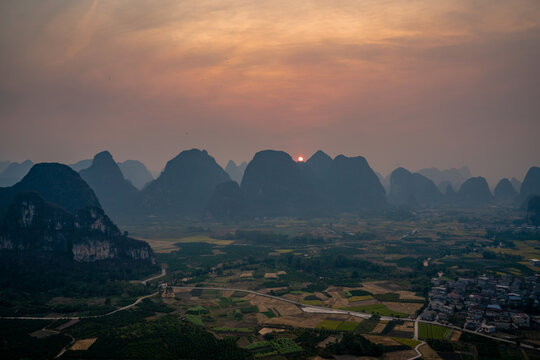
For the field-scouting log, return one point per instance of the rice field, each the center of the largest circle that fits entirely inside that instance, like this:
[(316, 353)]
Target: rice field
[(435, 332)]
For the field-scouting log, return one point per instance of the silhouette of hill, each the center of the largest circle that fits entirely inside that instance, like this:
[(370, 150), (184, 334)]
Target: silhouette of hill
[(516, 184), (474, 192), (405, 186), (351, 185), (56, 183), (531, 184), (455, 176), (227, 202), (185, 186), (533, 210), (116, 195), (235, 172), (504, 191), (14, 172), (4, 165), (320, 164), (80, 165), (275, 185), (135, 172)]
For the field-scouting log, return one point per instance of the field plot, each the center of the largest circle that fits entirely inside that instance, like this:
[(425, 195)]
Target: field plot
[(305, 321), (378, 309), (286, 346), (436, 332), (203, 239), (83, 344), (399, 355), (408, 342), (329, 324), (407, 308), (162, 246)]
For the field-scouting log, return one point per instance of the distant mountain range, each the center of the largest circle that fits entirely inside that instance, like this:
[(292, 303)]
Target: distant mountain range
[(453, 176), (14, 172), (236, 172), (273, 184)]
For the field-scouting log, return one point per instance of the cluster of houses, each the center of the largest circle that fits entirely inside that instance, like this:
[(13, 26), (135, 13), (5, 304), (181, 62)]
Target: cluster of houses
[(487, 303)]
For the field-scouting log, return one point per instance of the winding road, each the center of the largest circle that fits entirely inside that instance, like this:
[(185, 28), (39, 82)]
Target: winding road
[(305, 308)]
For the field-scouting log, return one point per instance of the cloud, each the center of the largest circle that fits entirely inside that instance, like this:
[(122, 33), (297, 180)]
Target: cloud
[(353, 76)]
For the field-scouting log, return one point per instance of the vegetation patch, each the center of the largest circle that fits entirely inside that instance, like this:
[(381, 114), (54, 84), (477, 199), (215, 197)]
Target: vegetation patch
[(286, 346), (258, 345), (329, 324), (435, 332), (348, 326), (359, 292), (232, 330), (194, 319), (368, 325), (412, 343), (311, 302)]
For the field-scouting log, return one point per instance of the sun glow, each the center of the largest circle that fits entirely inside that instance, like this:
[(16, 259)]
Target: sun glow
[(300, 159)]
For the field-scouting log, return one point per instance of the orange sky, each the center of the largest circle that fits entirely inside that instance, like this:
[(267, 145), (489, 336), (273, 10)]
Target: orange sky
[(410, 83)]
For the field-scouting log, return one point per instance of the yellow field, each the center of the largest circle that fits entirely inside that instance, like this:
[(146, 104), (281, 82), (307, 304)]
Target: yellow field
[(204, 239), (83, 344)]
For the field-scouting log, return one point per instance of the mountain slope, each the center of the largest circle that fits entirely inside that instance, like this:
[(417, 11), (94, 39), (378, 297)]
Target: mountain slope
[(275, 185), (135, 172), (474, 192), (531, 184), (504, 191), (406, 187), (352, 185), (56, 183), (14, 172), (116, 195), (185, 186)]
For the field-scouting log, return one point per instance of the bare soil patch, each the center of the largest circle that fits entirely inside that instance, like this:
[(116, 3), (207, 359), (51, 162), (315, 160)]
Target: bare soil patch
[(83, 344), (399, 355), (43, 333), (383, 340), (428, 353), (310, 321), (379, 328), (408, 295), (266, 330), (162, 246), (455, 335), (409, 308)]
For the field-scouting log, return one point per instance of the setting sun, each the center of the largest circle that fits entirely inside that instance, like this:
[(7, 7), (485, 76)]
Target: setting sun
[(300, 158)]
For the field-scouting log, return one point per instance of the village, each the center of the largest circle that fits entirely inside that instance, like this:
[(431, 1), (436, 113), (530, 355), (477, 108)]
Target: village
[(488, 304)]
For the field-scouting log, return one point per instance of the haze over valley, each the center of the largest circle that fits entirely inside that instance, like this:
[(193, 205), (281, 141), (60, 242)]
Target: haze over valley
[(270, 180)]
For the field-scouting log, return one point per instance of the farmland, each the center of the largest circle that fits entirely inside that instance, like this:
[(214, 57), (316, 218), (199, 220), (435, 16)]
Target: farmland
[(364, 265), (435, 332)]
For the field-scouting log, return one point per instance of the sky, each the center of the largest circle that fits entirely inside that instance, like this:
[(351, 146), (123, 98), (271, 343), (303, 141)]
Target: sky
[(415, 83)]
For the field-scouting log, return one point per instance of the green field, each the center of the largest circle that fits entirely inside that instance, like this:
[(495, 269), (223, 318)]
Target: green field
[(436, 332), (286, 346), (258, 345), (329, 324), (195, 319), (233, 330), (408, 342), (348, 326)]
